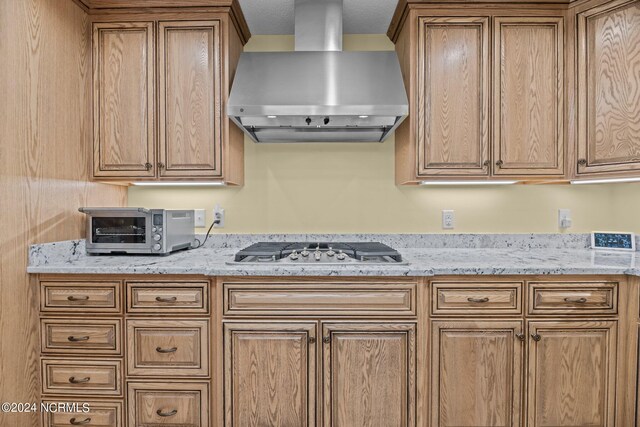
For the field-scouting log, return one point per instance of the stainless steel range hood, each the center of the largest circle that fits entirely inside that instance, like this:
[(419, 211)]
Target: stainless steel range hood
[(318, 93)]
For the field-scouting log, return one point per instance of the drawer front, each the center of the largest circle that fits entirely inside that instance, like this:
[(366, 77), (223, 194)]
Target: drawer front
[(80, 297), (573, 298), (482, 298), (319, 299), (69, 336), (166, 298), (100, 414), (80, 377), (171, 348), (174, 404)]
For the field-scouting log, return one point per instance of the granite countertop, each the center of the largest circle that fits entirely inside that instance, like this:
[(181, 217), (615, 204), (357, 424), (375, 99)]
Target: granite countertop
[(427, 255)]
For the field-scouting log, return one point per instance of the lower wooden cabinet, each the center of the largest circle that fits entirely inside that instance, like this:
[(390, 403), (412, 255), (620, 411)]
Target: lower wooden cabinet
[(477, 373), (369, 373), (572, 373), (270, 374)]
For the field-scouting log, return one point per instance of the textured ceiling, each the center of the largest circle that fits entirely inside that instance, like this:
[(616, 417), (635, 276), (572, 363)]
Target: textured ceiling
[(360, 16)]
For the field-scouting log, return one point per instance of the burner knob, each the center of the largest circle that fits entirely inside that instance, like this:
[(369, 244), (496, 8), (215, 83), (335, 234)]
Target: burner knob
[(305, 252), (330, 252), (341, 255), (293, 255)]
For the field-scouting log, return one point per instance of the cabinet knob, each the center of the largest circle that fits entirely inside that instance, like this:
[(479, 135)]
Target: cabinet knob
[(486, 164), (499, 163), (312, 340), (520, 336), (326, 340), (160, 165), (582, 162), (536, 337), (148, 166)]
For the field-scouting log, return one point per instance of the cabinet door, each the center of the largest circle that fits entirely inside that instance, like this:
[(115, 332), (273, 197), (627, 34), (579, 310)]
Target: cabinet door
[(528, 96), (572, 368), (123, 104), (477, 373), (609, 88), (269, 374), (453, 97), (369, 374), (189, 72)]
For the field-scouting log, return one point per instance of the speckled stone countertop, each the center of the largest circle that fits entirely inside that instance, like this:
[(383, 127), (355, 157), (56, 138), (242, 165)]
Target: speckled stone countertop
[(426, 255)]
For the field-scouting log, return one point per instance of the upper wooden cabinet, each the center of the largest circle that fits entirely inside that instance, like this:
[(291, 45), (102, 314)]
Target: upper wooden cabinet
[(609, 89), (187, 136), (464, 124), (528, 96), (123, 96), (453, 93)]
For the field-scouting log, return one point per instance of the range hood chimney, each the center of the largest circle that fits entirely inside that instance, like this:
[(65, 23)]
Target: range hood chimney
[(318, 93)]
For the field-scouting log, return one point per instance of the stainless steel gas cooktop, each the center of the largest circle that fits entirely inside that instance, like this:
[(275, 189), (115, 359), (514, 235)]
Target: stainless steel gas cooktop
[(318, 253)]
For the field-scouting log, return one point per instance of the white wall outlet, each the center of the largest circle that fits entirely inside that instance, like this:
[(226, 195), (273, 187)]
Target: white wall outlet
[(564, 218), (448, 220), (200, 217), (218, 217)]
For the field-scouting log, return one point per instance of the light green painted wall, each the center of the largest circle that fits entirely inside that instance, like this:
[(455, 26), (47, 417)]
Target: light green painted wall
[(342, 188)]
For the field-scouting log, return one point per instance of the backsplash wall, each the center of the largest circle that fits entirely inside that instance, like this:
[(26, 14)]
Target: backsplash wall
[(349, 188)]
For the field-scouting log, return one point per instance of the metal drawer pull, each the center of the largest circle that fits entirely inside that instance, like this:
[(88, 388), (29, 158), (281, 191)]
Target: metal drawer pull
[(74, 380), (165, 299), (166, 350), (167, 414), (76, 339), (536, 337), (485, 299), (78, 298), (575, 300), (75, 422)]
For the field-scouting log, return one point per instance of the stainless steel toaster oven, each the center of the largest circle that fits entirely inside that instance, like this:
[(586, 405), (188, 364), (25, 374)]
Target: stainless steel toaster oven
[(138, 230)]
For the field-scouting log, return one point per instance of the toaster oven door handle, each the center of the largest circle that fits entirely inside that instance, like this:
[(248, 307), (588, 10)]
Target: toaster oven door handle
[(89, 211)]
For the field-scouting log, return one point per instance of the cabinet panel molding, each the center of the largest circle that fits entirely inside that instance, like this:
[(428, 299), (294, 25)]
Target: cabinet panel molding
[(609, 89), (453, 101), (528, 107), (189, 99), (123, 99)]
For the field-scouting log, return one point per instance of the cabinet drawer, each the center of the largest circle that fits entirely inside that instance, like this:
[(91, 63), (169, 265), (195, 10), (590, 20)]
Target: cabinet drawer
[(82, 338), (100, 414), (80, 297), (165, 298), (319, 299), (168, 348), (174, 404), (81, 377), (573, 298), (485, 298)]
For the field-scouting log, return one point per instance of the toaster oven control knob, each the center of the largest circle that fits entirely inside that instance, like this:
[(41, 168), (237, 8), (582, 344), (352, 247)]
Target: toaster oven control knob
[(157, 247), (157, 237), (154, 229), (341, 255)]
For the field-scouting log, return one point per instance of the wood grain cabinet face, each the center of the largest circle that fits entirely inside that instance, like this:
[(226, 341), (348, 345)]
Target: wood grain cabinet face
[(369, 374), (80, 297), (528, 109), (173, 348), (453, 97), (164, 298), (84, 337), (82, 377), (572, 369), (123, 96), (100, 414), (476, 299), (269, 374), (168, 404), (477, 373), (609, 88), (573, 298), (189, 99)]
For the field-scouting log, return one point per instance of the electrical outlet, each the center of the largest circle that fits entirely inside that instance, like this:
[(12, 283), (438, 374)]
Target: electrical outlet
[(200, 217), (564, 219), (448, 219), (218, 217)]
